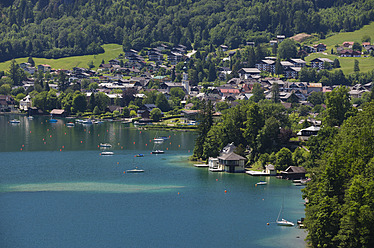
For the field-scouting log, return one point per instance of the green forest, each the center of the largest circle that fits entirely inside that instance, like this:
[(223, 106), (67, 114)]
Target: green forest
[(61, 28)]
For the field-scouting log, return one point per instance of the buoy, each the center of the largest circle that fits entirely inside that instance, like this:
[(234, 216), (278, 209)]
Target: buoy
[(98, 135), (21, 149), (60, 150), (118, 143), (23, 145), (48, 129), (63, 146), (167, 148), (134, 142), (43, 139), (170, 143), (145, 144), (124, 172), (256, 185), (121, 147), (81, 141), (98, 145), (85, 130), (179, 145), (225, 191), (107, 130), (217, 179), (65, 133), (117, 162), (140, 132), (149, 140), (178, 193), (50, 136), (89, 131), (267, 223), (45, 142), (30, 131)]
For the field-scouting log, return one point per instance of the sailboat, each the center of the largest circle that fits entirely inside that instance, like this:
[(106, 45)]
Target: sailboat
[(283, 222)]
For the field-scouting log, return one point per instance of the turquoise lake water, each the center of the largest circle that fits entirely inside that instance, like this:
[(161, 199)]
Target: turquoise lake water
[(57, 191)]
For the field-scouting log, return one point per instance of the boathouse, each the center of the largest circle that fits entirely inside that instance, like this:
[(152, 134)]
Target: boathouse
[(293, 172)]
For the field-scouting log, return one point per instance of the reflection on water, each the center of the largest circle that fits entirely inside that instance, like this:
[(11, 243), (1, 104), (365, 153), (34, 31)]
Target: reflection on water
[(88, 187)]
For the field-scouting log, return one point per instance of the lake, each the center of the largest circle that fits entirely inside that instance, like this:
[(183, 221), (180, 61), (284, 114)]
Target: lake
[(56, 190)]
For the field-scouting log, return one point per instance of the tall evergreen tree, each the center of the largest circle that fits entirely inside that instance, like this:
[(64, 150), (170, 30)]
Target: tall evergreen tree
[(278, 67), (275, 93)]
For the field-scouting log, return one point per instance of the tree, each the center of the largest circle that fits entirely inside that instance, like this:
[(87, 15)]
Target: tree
[(212, 75), (156, 114), (278, 67), (366, 38), (267, 138), (162, 103), (275, 93), (254, 123), (283, 159), (96, 110), (336, 63), (31, 61), (62, 81), (316, 98), (90, 64), (356, 67), (5, 89), (102, 101), (258, 93), (338, 106), (126, 112), (287, 49), (205, 120), (16, 73), (356, 46), (213, 142), (79, 102)]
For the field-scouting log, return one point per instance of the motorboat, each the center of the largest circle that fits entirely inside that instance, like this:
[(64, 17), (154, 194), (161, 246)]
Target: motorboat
[(157, 152), (106, 145), (107, 153), (139, 155), (261, 183), (158, 140), (70, 124), (52, 120), (30, 117), (14, 121), (136, 170)]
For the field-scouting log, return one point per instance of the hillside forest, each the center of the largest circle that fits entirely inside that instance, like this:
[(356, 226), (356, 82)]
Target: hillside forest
[(61, 28)]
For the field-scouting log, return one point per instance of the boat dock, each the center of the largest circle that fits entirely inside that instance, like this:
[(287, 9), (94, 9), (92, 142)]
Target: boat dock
[(201, 165), (257, 173)]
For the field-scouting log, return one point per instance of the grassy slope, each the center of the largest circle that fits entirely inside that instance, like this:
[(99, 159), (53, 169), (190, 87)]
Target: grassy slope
[(366, 64), (111, 52)]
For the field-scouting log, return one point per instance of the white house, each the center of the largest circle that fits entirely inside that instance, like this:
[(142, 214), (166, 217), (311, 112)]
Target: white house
[(25, 103)]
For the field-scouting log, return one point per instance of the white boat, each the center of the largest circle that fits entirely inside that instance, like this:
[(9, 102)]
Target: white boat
[(30, 117), (158, 140), (14, 121), (283, 222), (70, 124), (261, 183), (87, 122), (107, 153), (107, 145), (136, 170), (158, 152)]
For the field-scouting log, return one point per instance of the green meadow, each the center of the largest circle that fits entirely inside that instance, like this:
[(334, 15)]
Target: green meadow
[(111, 52), (365, 63)]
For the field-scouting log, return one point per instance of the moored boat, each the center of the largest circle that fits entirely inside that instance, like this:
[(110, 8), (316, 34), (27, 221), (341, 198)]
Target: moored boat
[(107, 153), (136, 170), (157, 152), (14, 121), (106, 145), (70, 124), (261, 183)]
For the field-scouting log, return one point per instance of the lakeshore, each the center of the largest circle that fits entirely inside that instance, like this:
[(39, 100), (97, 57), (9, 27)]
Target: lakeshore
[(74, 197)]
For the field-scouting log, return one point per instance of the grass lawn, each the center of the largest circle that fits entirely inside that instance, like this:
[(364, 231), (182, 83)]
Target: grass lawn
[(339, 38), (111, 52), (366, 63)]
